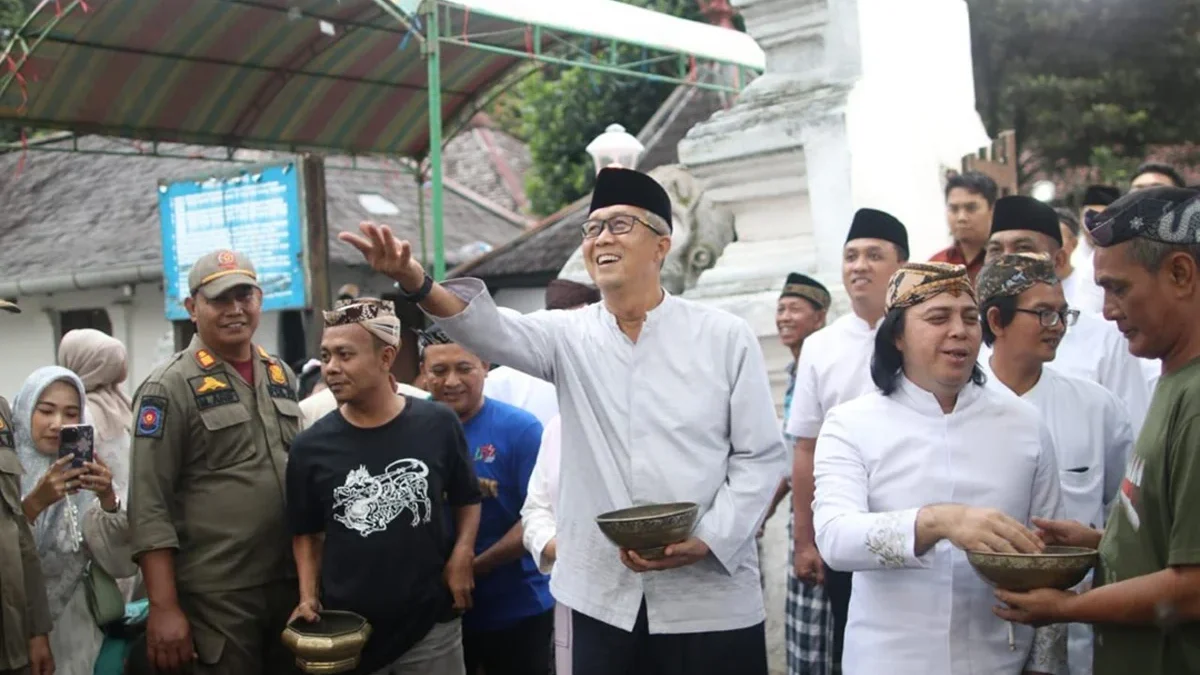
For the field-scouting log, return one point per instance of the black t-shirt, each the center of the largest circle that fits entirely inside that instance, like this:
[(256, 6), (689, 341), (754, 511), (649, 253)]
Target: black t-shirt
[(381, 496)]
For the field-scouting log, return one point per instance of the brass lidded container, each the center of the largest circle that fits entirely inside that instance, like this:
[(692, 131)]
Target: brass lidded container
[(332, 644)]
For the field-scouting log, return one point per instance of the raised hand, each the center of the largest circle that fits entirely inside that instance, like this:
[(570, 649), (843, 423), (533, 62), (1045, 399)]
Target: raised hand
[(386, 254)]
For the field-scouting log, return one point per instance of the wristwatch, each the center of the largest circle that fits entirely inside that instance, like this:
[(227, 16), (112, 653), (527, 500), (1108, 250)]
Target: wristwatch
[(421, 294), (115, 509)]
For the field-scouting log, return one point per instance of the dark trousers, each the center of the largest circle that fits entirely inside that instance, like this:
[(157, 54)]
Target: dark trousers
[(600, 649), (837, 589), (524, 648)]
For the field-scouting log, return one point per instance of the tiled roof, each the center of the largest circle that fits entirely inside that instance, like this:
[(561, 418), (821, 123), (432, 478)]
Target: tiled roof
[(65, 210)]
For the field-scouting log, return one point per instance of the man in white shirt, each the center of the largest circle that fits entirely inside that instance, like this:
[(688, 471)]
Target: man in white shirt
[(834, 367), (662, 400), (1025, 315), (1093, 349), (931, 464)]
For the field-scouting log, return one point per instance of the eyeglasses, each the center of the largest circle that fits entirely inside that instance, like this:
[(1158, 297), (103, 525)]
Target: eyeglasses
[(1050, 318), (622, 224)]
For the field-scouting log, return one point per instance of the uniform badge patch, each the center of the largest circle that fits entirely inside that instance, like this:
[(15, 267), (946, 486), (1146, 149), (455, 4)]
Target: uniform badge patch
[(263, 352), (275, 372), (211, 384), (6, 437), (205, 359), (226, 260), (151, 415), (213, 390)]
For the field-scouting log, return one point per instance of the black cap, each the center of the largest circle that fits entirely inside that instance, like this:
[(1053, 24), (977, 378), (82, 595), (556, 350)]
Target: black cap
[(876, 224), (803, 286), (1018, 212), (1100, 195), (631, 188)]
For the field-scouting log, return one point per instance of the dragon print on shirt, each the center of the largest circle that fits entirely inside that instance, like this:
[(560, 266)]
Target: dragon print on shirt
[(370, 503)]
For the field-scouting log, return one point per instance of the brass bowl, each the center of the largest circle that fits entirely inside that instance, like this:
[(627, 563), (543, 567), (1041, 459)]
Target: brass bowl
[(1060, 567), (649, 529), (332, 644)]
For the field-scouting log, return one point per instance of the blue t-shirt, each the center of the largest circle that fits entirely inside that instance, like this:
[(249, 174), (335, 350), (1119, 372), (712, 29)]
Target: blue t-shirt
[(504, 440)]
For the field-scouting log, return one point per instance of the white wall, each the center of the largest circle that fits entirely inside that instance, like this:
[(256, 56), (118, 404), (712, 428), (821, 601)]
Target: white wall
[(27, 340)]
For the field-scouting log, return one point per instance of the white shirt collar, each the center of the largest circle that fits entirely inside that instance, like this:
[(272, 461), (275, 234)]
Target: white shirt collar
[(913, 396)]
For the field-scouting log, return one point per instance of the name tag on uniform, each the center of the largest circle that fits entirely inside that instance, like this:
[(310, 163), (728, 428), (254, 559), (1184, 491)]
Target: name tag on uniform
[(277, 384), (213, 390)]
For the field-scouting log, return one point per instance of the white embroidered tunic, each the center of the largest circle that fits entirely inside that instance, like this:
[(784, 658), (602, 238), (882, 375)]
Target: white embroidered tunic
[(879, 459), (683, 414)]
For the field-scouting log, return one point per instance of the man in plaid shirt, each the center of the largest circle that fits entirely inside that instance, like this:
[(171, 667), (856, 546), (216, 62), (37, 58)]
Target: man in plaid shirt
[(833, 368)]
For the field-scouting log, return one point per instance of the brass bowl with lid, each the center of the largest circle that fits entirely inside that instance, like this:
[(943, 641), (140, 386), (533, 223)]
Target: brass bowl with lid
[(332, 644), (649, 529), (1060, 567)]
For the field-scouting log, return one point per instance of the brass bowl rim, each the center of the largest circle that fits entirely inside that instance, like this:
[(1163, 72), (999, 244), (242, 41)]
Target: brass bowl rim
[(1063, 552), (363, 625), (675, 509)]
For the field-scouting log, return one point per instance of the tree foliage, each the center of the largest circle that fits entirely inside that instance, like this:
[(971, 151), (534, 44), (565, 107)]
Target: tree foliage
[(1088, 83), (558, 111)]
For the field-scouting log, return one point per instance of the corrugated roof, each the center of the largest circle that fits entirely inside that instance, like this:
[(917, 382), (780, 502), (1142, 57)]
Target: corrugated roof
[(64, 211), (345, 76)]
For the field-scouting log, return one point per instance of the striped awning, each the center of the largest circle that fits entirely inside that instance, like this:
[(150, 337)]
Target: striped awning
[(346, 76), (290, 75)]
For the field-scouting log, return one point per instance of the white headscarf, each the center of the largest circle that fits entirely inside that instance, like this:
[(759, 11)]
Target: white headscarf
[(56, 532)]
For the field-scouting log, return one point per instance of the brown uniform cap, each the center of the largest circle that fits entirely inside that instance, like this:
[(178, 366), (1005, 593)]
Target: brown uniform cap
[(9, 306), (219, 271)]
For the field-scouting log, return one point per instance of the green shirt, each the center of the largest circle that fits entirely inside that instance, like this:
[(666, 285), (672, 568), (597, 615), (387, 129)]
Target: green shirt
[(1155, 524)]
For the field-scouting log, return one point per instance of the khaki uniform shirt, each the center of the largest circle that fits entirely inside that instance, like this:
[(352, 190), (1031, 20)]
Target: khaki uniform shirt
[(207, 469), (24, 612)]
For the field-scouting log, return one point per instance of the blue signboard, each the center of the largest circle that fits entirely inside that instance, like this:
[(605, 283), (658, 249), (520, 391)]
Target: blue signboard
[(255, 211)]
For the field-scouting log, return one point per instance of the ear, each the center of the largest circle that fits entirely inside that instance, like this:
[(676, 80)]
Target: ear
[(190, 305), (1060, 258), (993, 321), (388, 356), (1182, 273), (664, 247), (821, 319)]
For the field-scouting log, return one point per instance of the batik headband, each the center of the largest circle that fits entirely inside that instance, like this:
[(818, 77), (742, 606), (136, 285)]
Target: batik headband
[(1011, 275), (377, 316), (915, 283)]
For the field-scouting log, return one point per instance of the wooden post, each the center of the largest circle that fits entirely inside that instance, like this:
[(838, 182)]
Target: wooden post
[(312, 173), (999, 162)]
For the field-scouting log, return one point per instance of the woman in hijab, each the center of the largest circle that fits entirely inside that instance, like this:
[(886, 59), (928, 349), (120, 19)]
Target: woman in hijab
[(100, 362), (76, 514)]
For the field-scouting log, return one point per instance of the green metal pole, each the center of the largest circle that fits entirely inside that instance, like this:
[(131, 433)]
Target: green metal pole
[(433, 55), (421, 215)]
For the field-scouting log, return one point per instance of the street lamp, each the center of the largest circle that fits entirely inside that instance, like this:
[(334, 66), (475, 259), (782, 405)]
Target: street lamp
[(1044, 191), (615, 147)]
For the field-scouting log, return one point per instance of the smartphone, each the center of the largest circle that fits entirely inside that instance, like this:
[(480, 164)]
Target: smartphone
[(77, 440)]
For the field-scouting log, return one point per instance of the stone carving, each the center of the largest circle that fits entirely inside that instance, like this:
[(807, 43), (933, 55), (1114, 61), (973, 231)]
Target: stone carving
[(701, 233)]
